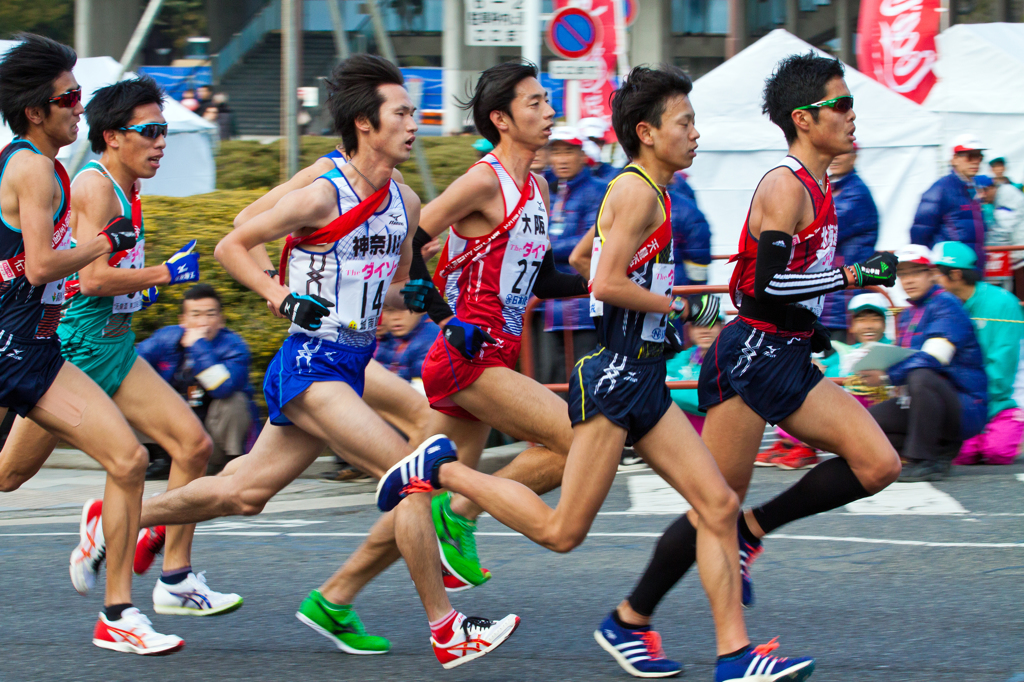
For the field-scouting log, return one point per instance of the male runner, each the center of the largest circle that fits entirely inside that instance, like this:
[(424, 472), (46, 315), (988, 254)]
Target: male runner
[(618, 396), (759, 369), (41, 101), (128, 130), (351, 257)]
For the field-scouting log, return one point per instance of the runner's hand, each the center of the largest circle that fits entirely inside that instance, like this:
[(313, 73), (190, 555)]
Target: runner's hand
[(121, 234), (149, 297), (466, 338), (879, 270), (306, 310), (821, 341), (184, 264), (700, 309), (415, 292), (673, 342)]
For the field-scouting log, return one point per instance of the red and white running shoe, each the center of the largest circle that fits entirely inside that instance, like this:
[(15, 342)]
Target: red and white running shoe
[(88, 555), (150, 543), (779, 448), (799, 457), (473, 637), (133, 633)]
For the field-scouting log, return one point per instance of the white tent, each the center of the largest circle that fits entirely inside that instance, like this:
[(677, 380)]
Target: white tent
[(188, 166), (981, 88), (898, 140)]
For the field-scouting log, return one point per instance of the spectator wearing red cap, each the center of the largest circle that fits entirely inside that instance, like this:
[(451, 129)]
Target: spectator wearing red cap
[(575, 199), (948, 210), (594, 129)]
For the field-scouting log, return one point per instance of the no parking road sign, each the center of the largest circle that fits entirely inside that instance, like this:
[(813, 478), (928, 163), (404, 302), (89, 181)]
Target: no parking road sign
[(573, 32)]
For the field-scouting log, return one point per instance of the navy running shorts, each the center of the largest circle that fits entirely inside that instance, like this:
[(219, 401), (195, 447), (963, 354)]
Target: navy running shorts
[(305, 360), (27, 370), (772, 374), (630, 393)]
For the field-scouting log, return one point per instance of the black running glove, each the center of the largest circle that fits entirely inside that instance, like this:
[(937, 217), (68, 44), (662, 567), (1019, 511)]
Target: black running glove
[(821, 342), (879, 270), (305, 311), (466, 338), (121, 234)]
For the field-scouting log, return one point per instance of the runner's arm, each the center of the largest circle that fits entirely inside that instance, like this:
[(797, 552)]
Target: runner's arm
[(468, 194), (35, 218), (393, 297), (580, 256), (630, 209), (94, 204), (554, 284), (312, 206)]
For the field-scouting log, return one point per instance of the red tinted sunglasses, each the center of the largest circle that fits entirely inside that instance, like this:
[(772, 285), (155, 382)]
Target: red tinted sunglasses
[(68, 100)]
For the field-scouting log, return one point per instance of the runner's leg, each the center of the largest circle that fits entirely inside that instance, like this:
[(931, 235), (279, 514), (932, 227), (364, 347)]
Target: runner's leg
[(103, 434), (397, 402), (26, 450), (154, 408)]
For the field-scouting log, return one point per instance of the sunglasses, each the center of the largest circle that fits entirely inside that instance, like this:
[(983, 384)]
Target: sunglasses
[(150, 130), (840, 104), (69, 99)]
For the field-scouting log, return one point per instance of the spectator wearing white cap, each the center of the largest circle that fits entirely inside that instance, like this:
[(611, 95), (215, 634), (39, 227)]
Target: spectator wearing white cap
[(948, 210), (944, 390), (1003, 208), (593, 130), (575, 199)]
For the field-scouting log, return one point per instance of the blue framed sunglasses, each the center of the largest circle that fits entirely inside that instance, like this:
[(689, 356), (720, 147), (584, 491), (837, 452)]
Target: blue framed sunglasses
[(150, 130)]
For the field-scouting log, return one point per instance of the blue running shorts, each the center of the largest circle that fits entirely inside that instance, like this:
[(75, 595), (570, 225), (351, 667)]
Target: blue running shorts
[(27, 370), (305, 360), (630, 393), (772, 374)]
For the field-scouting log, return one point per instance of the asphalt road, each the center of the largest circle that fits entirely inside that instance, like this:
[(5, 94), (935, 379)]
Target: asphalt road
[(926, 587)]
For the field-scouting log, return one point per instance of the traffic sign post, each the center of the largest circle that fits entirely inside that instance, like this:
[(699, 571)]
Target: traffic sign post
[(573, 32)]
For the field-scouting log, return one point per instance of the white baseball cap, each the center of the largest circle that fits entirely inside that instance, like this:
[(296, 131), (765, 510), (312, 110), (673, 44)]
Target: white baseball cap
[(566, 134), (914, 253), (967, 143), (593, 126)]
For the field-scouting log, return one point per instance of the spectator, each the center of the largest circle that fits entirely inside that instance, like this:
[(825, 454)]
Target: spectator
[(483, 147), (948, 210), (1003, 208), (999, 326), (204, 95), (189, 101), (858, 232), (998, 166), (574, 205), (594, 129), (685, 366), (210, 114), (944, 387), (225, 118), (869, 315), (405, 342), (691, 234), (209, 366)]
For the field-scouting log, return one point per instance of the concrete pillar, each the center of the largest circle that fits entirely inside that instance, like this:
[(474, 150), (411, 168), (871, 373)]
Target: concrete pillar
[(793, 16), (844, 31), (651, 33), (104, 27), (461, 65), (736, 39)]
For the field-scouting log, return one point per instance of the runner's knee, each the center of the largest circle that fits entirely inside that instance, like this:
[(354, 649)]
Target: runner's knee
[(11, 481), (883, 471), (249, 502), (129, 467), (564, 539), (722, 510), (198, 452)]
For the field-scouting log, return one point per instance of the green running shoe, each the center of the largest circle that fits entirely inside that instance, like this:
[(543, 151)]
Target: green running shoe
[(341, 625), (455, 536)]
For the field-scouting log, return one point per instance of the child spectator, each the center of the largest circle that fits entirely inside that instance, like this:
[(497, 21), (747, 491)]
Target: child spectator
[(685, 366), (406, 340)]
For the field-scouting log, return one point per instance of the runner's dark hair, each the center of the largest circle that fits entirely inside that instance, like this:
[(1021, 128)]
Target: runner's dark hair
[(798, 80), (27, 73), (112, 107), (495, 91), (353, 93), (199, 292), (641, 99)]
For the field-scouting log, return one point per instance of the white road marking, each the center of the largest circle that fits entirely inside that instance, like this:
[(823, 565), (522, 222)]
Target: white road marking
[(908, 499), (651, 494)]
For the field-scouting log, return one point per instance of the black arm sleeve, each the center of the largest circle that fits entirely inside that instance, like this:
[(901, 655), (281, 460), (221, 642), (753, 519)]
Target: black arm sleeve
[(418, 268), (437, 307), (772, 283), (554, 284)]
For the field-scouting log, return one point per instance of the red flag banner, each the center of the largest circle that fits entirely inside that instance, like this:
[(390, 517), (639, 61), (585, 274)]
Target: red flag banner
[(896, 44)]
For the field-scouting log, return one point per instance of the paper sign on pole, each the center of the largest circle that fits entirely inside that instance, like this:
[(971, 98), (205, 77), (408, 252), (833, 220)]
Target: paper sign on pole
[(575, 69), (494, 22)]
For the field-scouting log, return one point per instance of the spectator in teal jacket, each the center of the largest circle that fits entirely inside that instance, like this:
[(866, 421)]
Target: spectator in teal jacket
[(999, 326), (685, 366)]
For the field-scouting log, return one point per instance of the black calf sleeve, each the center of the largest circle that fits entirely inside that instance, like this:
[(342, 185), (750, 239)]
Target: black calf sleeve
[(675, 552), (827, 486)]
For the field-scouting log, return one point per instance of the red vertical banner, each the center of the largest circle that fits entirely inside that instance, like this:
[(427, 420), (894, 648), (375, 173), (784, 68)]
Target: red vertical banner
[(594, 94), (896, 44)]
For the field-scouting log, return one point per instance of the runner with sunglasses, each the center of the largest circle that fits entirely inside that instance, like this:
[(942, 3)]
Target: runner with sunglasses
[(41, 102), (128, 130), (759, 368)]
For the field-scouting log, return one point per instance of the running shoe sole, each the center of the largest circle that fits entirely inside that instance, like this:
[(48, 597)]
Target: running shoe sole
[(764, 464), (786, 467), (466, 585), (182, 611), (626, 665), (82, 529), (334, 640), (477, 654), (126, 648), (626, 468), (797, 674), (411, 456)]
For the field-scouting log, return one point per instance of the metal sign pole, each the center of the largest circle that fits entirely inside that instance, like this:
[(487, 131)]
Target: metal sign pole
[(290, 87), (338, 24), (531, 31)]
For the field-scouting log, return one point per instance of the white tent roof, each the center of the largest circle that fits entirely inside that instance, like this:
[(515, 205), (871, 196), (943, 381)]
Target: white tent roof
[(898, 139), (980, 69), (187, 167)]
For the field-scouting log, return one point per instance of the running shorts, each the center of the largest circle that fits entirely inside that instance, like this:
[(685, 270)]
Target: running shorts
[(630, 393), (306, 360), (27, 370), (106, 361), (772, 374), (446, 371)]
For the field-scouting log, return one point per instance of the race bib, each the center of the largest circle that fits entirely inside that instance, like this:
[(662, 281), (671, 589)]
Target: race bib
[(663, 275), (134, 259), (596, 306), (519, 269), (53, 292), (364, 285)]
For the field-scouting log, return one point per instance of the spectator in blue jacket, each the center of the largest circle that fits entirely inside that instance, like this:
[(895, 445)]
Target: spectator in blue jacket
[(209, 366), (405, 342), (858, 232), (691, 234), (949, 211), (945, 379), (574, 205), (594, 130)]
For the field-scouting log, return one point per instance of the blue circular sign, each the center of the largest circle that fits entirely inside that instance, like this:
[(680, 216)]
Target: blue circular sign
[(572, 33)]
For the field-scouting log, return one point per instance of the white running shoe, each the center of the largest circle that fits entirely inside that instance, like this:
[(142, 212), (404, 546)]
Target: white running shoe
[(192, 597), (472, 638), (133, 633), (88, 556)]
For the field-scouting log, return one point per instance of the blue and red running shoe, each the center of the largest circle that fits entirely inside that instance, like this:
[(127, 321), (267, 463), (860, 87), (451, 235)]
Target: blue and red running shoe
[(637, 651), (756, 664), (415, 473), (748, 554)]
